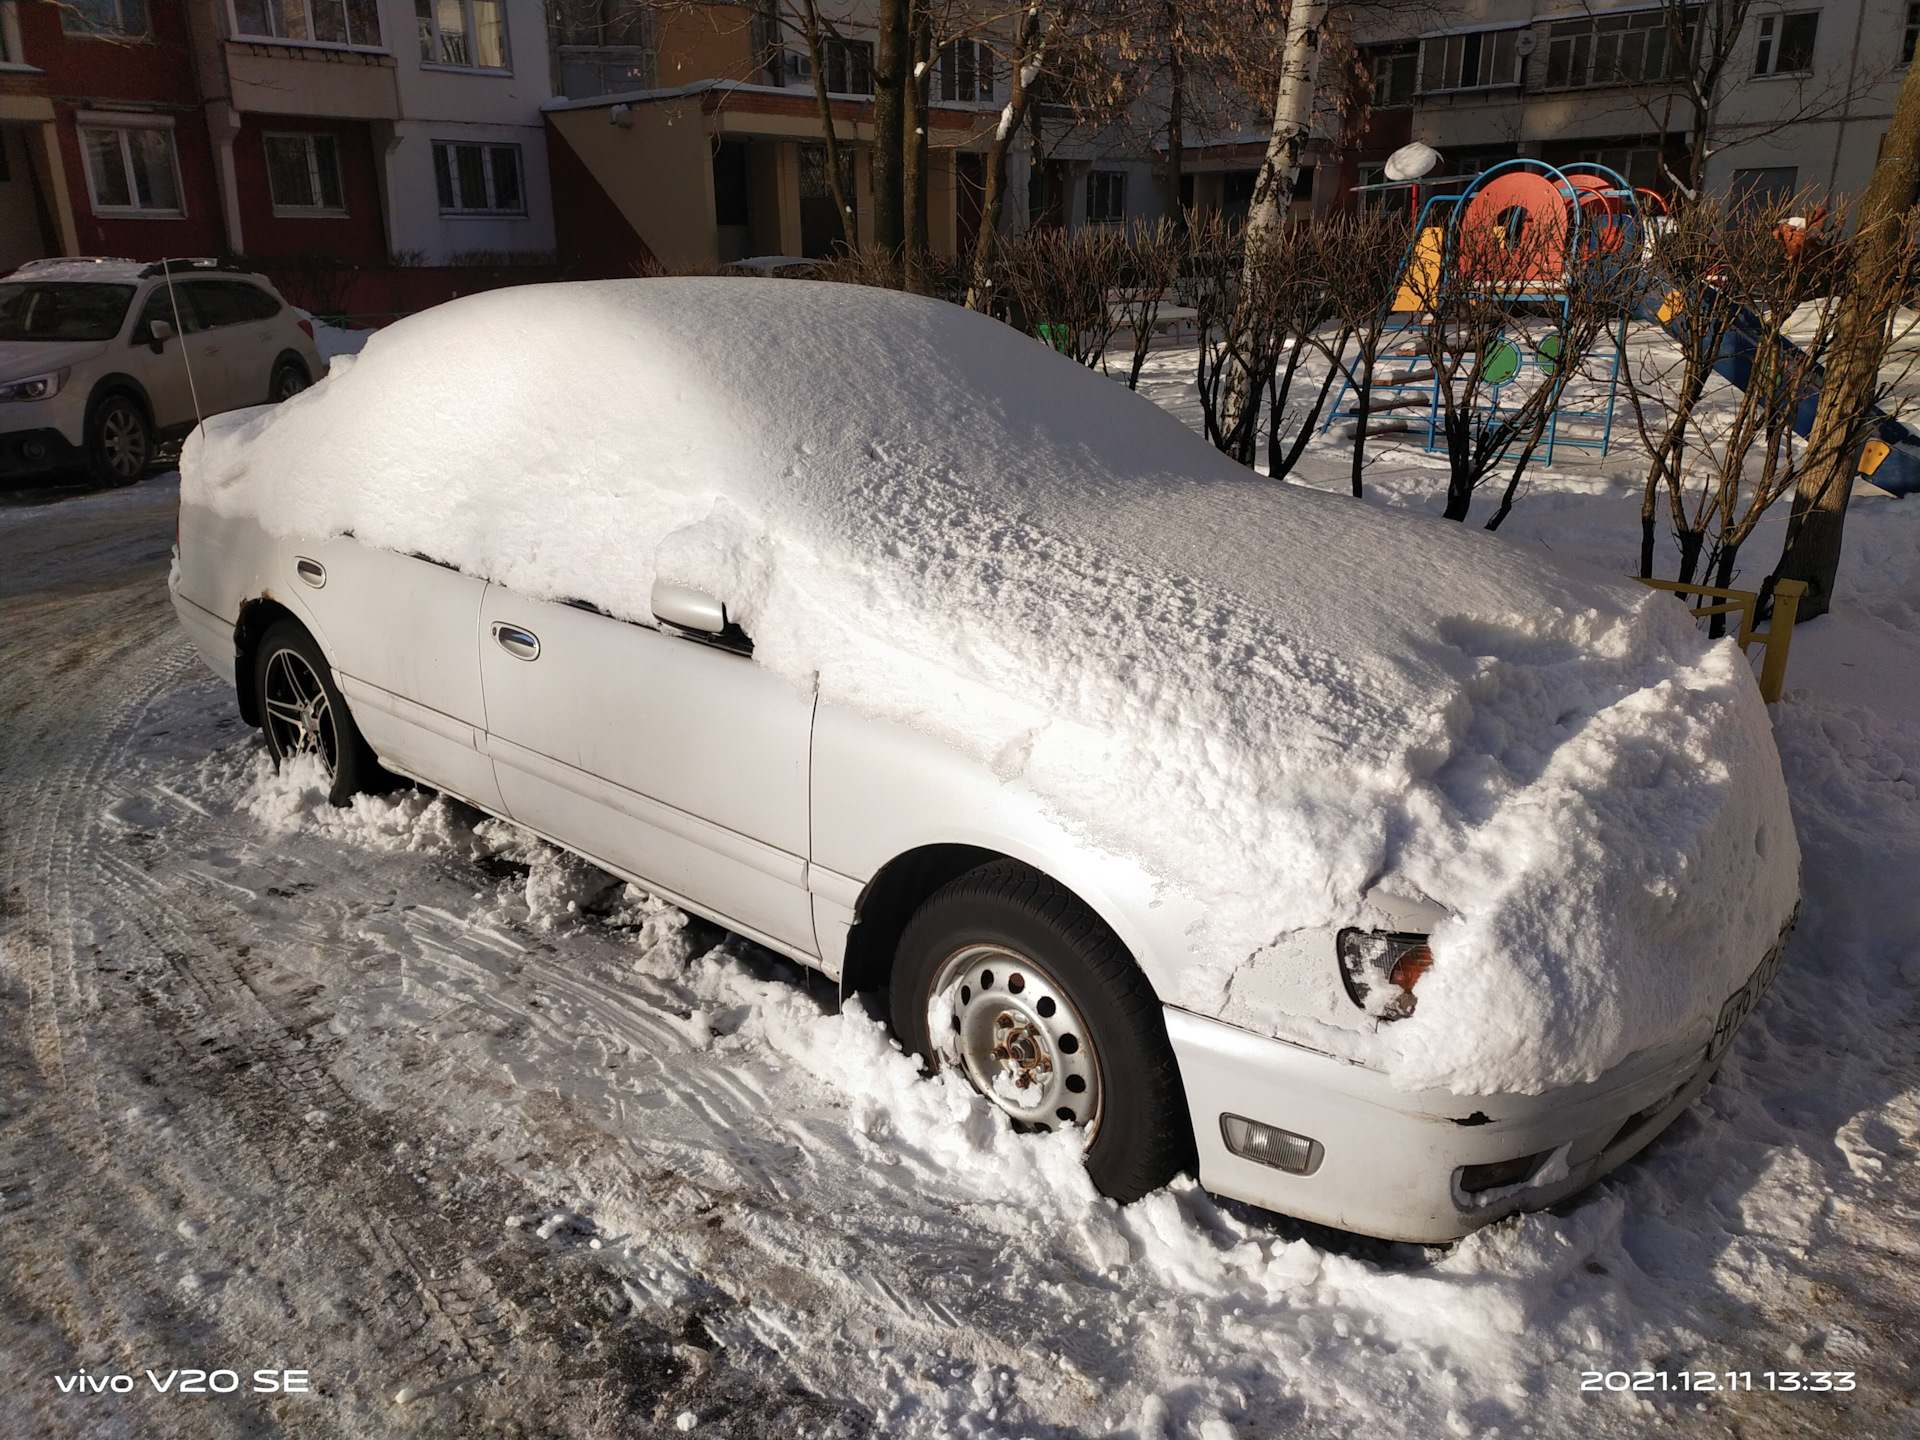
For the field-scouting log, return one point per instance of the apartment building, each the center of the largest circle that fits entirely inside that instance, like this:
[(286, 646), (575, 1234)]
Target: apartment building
[(695, 135), (363, 136), (1806, 95)]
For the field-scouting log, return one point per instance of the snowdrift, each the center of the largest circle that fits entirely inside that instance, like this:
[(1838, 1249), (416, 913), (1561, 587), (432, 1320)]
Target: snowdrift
[(1273, 698)]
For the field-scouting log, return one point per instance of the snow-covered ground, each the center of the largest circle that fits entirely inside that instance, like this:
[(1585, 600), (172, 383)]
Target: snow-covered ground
[(490, 1146)]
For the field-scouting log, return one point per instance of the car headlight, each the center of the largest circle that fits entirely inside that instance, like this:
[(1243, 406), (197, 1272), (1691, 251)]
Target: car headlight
[(34, 387), (1379, 969)]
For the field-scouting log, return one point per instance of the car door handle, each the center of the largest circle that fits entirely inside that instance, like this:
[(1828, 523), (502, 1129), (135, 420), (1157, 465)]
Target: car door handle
[(311, 571), (521, 644)]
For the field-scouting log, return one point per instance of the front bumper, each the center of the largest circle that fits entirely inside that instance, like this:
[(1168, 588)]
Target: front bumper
[(43, 451), (1390, 1161)]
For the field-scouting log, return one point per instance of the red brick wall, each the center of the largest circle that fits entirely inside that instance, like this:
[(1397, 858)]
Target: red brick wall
[(358, 237), (157, 74)]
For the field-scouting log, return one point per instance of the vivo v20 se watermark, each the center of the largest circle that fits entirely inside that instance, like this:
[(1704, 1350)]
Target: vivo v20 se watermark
[(185, 1382)]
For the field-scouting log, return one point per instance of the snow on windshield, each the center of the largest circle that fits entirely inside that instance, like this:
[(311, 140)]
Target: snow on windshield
[(1273, 698)]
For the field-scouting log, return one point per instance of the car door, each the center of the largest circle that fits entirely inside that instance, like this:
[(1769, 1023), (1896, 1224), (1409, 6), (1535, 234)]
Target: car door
[(680, 763), (402, 633), (256, 342), (165, 375), (218, 367)]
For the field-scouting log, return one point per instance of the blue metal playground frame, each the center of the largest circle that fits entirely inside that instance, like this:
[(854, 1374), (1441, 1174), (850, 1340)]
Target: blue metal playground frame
[(1443, 212)]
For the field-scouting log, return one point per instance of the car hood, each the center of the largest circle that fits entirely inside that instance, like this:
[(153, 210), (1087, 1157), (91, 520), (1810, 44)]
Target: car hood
[(1273, 698), (22, 358)]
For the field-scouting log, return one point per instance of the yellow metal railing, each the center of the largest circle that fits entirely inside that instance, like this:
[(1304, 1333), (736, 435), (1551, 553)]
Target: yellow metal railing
[(1778, 635)]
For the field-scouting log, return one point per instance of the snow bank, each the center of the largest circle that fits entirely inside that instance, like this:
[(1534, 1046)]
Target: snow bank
[(1272, 697)]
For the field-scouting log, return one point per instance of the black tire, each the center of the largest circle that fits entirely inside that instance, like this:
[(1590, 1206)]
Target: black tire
[(301, 709), (289, 379), (119, 441), (1011, 916)]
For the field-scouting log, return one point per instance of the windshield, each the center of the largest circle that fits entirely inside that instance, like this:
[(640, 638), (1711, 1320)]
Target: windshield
[(61, 310)]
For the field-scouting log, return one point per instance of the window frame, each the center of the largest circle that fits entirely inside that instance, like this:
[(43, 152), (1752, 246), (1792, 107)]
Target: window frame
[(1478, 34), (437, 45), (843, 53), (1385, 55), (1771, 33), (1114, 182), (118, 33), (307, 139), (251, 37), (123, 126), (1588, 28), (948, 66), (488, 177)]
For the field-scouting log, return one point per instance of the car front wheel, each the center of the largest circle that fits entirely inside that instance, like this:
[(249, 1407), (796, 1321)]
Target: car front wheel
[(302, 712), (1008, 978), (119, 441)]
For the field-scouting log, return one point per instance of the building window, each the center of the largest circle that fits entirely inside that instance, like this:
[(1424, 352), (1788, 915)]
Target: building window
[(849, 66), (478, 179), (131, 169), (1106, 196), (466, 34), (1393, 69), (303, 175), (1638, 165), (1786, 44), (603, 22), (113, 19), (1760, 188), (312, 22), (1476, 61), (1913, 34), (1616, 50), (966, 71)]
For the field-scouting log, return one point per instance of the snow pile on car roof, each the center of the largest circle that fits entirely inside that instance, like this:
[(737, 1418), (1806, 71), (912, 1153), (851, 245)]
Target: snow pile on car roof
[(1272, 698)]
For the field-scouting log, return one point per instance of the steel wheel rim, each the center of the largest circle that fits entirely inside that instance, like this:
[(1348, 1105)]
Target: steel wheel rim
[(299, 718), (1010, 1026), (124, 439)]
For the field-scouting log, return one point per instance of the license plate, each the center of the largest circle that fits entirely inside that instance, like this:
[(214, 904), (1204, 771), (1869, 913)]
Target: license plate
[(1740, 1004)]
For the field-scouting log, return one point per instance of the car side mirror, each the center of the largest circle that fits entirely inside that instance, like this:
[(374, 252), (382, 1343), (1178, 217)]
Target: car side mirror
[(688, 608), (159, 332)]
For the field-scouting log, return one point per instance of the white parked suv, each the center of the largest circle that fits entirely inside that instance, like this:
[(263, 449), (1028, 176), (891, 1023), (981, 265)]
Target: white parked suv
[(102, 360)]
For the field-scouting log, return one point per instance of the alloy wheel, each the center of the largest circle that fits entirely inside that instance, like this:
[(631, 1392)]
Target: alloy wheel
[(123, 441), (299, 717)]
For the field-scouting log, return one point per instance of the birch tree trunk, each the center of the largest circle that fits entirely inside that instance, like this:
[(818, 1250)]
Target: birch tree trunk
[(1273, 187), (1292, 125), (1812, 549), (1028, 42)]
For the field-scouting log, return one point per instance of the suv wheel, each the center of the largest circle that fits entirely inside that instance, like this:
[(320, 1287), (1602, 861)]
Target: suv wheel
[(119, 441), (289, 379)]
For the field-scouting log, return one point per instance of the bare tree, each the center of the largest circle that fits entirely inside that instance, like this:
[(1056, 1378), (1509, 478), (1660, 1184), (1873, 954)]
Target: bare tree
[(1360, 259), (811, 30), (1149, 269), (1749, 315), (1880, 277), (1501, 338)]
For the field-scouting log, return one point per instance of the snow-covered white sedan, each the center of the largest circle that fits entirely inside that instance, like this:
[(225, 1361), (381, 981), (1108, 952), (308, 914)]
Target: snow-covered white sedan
[(1398, 875)]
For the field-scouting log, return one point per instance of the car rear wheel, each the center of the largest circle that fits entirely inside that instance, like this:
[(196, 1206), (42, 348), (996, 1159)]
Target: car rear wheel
[(119, 441), (302, 712), (289, 379), (1008, 978)]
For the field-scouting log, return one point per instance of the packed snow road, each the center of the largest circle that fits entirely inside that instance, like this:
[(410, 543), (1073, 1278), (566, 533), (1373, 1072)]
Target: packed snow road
[(485, 1144)]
